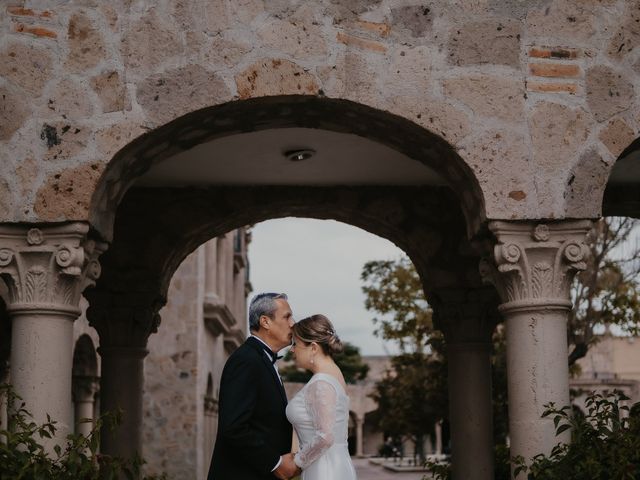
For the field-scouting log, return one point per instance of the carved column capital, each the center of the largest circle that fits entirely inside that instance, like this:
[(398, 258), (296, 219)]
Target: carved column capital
[(124, 320), (46, 268), (465, 315), (534, 263)]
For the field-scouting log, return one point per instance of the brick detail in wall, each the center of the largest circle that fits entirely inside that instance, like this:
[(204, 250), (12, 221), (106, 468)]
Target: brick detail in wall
[(37, 31), (553, 53), (381, 29), (27, 12), (554, 70), (361, 43), (24, 21)]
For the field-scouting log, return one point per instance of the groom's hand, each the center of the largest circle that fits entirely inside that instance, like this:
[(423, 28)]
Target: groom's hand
[(287, 468)]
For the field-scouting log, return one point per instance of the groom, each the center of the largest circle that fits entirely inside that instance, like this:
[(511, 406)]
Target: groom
[(254, 436)]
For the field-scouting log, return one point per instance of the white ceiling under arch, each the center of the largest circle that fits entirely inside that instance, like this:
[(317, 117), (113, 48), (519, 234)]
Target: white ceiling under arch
[(257, 158)]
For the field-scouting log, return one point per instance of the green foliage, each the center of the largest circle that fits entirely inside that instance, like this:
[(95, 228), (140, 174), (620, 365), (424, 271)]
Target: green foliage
[(351, 364), (393, 289), (412, 396), (605, 443), (409, 402), (23, 457), (349, 361)]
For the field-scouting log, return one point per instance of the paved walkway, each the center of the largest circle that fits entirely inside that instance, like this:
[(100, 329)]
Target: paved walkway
[(366, 471)]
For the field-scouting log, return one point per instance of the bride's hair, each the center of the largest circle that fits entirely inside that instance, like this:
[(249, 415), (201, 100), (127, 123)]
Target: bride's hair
[(318, 328)]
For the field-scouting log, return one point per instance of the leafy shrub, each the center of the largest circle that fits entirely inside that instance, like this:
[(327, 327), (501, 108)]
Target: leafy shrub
[(23, 457), (605, 445), (605, 442)]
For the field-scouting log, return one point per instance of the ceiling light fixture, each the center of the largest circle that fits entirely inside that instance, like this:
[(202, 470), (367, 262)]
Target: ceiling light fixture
[(299, 155)]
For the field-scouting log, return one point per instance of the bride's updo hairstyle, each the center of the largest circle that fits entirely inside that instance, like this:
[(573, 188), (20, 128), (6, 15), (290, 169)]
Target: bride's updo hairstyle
[(318, 328)]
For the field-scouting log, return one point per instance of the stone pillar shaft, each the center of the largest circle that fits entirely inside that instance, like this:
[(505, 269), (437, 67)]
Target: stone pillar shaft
[(211, 265), (45, 270), (41, 362), (124, 322), (221, 266), (470, 407), (83, 410), (121, 385), (438, 447), (468, 316), (84, 389), (533, 267), (359, 437), (538, 373)]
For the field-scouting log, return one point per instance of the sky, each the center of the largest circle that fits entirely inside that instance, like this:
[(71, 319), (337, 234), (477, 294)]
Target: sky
[(317, 263)]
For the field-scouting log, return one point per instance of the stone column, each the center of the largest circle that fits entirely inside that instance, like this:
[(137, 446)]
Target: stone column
[(84, 390), (210, 430), (211, 273), (3, 413), (359, 436), (439, 438), (45, 270), (124, 322), (468, 317), (221, 268), (532, 267), (229, 296)]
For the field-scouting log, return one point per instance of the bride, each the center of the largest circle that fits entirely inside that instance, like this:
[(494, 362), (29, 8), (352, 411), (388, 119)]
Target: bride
[(319, 412)]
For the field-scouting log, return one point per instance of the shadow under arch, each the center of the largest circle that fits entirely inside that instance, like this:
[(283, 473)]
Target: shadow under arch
[(5, 341), (85, 360), (300, 111), (156, 228), (622, 192)]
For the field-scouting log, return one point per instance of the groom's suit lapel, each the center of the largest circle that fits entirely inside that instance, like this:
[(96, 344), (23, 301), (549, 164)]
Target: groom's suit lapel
[(263, 355)]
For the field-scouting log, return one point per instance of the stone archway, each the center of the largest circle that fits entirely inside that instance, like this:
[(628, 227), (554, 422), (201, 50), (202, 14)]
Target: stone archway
[(622, 193), (157, 227), (267, 113), (157, 224)]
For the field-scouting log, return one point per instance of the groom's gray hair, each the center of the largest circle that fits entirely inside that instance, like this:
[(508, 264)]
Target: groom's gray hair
[(263, 304)]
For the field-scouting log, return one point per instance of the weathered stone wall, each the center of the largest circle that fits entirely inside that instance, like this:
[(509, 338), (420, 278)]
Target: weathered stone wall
[(538, 98), (182, 355), (172, 407)]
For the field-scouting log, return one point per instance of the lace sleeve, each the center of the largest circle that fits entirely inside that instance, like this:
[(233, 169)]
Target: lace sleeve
[(320, 400)]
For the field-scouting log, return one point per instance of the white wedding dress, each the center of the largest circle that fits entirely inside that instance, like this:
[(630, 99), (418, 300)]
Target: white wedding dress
[(319, 414)]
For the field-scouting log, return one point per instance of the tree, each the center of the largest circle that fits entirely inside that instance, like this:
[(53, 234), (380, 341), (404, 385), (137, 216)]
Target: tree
[(394, 290), (408, 402), (605, 294), (412, 396), (349, 361)]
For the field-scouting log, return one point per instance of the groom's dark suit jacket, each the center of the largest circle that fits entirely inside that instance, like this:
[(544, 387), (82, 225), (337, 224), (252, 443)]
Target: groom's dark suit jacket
[(253, 430)]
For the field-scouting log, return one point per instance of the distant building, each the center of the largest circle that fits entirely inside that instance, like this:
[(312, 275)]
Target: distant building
[(612, 363)]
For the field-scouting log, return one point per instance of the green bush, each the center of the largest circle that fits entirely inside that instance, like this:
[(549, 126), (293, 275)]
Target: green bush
[(605, 443), (23, 457)]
